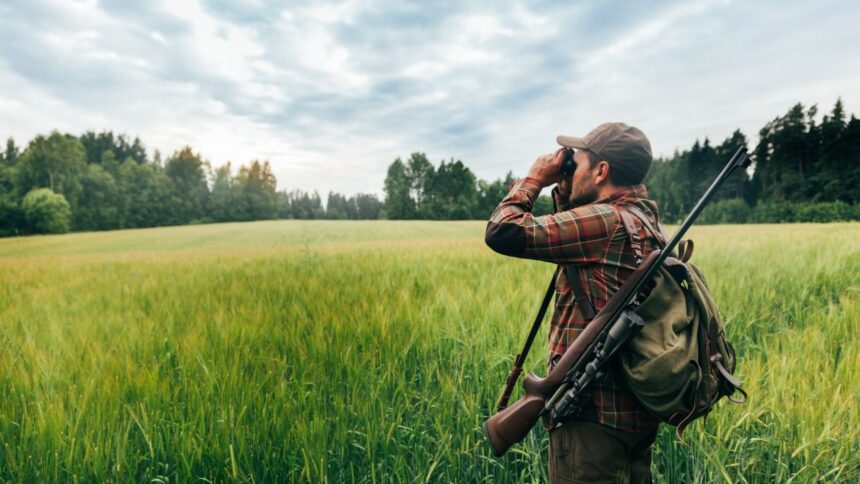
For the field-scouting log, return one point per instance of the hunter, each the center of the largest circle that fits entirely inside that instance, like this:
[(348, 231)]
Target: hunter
[(611, 438)]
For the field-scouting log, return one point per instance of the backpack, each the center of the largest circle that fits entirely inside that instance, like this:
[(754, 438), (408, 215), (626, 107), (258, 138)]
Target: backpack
[(680, 364)]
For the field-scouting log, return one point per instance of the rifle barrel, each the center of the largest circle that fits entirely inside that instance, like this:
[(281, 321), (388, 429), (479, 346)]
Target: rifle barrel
[(739, 159)]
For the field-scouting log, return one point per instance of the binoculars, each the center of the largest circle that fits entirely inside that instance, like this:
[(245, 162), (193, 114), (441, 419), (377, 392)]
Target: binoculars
[(568, 166)]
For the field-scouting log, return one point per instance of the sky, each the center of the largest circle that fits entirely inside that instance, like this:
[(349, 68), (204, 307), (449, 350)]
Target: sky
[(332, 92)]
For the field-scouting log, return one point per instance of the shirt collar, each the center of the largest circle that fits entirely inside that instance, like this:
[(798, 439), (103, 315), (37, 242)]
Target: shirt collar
[(626, 195)]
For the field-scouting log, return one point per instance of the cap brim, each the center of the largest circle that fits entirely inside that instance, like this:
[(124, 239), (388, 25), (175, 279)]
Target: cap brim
[(571, 142)]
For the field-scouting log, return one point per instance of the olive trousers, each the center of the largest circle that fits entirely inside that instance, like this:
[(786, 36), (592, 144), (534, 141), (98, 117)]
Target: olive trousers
[(582, 451)]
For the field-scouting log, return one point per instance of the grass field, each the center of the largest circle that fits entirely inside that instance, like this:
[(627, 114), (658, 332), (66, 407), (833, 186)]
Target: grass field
[(372, 351)]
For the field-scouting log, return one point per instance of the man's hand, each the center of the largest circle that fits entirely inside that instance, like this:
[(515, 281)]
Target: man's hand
[(547, 168)]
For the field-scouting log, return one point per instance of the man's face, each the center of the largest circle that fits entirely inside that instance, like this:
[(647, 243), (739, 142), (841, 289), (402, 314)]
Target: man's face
[(581, 185)]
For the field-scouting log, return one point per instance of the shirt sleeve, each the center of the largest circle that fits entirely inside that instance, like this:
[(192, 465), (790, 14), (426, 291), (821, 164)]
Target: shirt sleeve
[(574, 236)]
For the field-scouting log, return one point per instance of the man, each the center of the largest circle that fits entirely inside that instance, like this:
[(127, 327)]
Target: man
[(610, 439)]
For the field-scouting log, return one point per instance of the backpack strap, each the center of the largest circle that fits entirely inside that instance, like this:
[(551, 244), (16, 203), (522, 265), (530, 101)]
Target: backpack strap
[(581, 298), (659, 233), (685, 247), (685, 250), (632, 233), (717, 360)]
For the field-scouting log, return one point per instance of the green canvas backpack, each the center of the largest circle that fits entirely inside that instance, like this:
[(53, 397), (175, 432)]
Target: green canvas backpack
[(680, 364)]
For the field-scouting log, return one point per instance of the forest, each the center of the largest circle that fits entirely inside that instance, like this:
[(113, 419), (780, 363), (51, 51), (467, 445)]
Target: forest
[(806, 168)]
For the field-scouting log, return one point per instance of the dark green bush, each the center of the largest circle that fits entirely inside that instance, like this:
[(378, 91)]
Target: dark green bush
[(774, 212), (736, 211), (731, 211), (11, 218)]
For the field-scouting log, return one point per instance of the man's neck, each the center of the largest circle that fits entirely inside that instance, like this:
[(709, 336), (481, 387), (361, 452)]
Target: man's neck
[(607, 191)]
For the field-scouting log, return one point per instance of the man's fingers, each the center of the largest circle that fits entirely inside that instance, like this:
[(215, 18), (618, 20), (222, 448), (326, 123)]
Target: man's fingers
[(547, 167)]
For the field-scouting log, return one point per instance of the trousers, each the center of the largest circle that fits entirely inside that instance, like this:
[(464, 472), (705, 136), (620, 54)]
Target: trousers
[(581, 451)]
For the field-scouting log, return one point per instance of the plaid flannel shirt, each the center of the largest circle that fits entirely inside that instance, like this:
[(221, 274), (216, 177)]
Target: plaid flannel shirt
[(591, 237)]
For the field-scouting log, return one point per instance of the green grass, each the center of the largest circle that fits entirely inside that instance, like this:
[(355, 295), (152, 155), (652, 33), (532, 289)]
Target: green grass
[(372, 351)]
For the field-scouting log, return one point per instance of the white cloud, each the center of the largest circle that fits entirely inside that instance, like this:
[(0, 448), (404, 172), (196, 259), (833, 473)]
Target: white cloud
[(638, 38), (331, 92)]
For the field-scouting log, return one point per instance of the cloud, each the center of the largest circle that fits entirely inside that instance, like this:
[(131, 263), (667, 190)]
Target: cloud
[(332, 92)]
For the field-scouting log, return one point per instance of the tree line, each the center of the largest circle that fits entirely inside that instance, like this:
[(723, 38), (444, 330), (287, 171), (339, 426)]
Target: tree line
[(416, 189), (103, 181), (803, 170)]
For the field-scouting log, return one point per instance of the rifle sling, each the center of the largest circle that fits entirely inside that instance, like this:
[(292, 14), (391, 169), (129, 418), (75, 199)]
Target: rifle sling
[(521, 357), (572, 273)]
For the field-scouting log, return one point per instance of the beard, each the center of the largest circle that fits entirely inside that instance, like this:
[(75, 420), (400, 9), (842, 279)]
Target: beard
[(583, 194)]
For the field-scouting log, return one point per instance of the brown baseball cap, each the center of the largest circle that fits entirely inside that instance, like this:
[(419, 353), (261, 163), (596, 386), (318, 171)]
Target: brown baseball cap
[(624, 147)]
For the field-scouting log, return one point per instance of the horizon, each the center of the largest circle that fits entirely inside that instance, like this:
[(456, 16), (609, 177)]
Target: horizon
[(345, 88)]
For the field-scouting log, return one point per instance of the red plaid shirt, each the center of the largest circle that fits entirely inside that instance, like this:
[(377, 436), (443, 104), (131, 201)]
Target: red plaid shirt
[(591, 237)]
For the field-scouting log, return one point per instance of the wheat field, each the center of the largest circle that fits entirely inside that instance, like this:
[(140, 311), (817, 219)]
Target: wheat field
[(337, 351)]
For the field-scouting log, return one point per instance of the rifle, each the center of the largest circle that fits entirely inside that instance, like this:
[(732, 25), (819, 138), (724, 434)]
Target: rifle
[(560, 393)]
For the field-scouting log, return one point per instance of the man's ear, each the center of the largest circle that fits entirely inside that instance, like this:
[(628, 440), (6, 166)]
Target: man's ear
[(602, 172)]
